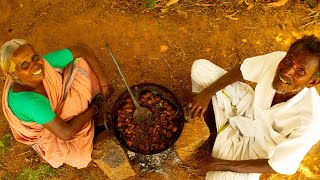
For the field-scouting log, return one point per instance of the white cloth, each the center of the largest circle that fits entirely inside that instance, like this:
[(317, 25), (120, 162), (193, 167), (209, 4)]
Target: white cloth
[(283, 133)]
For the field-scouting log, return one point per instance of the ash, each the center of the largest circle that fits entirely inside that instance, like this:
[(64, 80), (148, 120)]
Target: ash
[(154, 162)]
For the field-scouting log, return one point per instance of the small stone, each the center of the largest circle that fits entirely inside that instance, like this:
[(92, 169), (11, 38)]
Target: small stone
[(111, 157), (279, 38), (244, 40), (163, 48), (193, 135)]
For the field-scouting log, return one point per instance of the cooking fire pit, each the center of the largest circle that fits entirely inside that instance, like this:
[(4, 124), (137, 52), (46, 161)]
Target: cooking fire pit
[(148, 136)]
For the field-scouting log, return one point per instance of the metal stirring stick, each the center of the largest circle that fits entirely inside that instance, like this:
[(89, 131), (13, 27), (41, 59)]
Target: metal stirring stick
[(141, 113)]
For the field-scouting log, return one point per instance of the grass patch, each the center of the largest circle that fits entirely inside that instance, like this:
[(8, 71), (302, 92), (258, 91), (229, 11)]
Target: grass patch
[(40, 173), (5, 142), (159, 24), (86, 176), (149, 3)]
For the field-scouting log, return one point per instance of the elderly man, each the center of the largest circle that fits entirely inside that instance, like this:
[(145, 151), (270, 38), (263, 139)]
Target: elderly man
[(269, 129)]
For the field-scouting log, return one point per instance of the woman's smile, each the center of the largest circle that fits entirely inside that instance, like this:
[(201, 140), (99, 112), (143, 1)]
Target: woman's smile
[(38, 72)]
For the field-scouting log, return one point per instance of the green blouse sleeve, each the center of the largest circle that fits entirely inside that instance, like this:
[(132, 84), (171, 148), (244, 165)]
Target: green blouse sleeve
[(30, 107), (60, 58)]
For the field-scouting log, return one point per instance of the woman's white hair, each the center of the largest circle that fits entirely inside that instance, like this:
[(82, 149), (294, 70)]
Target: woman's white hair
[(6, 53)]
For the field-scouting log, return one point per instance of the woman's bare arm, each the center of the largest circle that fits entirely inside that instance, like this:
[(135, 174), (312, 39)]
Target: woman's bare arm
[(84, 51), (67, 129)]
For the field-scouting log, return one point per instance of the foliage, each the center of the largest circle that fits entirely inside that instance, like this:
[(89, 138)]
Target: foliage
[(149, 3), (86, 176), (5, 143), (312, 3), (42, 172)]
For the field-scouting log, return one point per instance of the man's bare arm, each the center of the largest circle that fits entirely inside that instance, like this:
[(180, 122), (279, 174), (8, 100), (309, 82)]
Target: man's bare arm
[(201, 101), (241, 166)]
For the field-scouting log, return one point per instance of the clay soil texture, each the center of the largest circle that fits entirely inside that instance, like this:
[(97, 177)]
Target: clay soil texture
[(156, 42)]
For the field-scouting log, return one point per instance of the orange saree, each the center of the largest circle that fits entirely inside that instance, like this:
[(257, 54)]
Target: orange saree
[(69, 94)]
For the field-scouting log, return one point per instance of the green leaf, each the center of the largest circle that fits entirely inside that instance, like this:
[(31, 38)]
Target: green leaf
[(40, 173), (149, 3), (312, 3)]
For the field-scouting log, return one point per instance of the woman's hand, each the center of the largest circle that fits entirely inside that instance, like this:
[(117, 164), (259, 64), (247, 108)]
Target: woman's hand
[(106, 90), (199, 104)]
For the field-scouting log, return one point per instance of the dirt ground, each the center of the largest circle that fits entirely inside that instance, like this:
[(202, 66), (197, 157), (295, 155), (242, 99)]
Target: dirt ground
[(155, 45)]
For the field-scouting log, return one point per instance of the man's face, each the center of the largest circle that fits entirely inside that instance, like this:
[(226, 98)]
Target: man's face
[(28, 66), (295, 71)]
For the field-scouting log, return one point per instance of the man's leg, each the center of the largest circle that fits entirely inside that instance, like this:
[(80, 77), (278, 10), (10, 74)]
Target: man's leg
[(210, 121), (204, 73)]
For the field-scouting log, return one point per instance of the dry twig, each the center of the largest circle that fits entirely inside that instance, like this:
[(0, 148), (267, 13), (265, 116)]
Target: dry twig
[(204, 5), (313, 16), (231, 16)]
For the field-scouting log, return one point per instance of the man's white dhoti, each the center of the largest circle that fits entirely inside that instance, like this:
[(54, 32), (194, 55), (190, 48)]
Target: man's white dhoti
[(252, 129)]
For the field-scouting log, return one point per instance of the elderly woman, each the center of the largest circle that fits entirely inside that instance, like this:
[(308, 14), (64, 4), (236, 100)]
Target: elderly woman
[(47, 100)]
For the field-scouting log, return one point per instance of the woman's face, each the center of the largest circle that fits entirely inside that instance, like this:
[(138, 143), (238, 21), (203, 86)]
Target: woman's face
[(28, 66)]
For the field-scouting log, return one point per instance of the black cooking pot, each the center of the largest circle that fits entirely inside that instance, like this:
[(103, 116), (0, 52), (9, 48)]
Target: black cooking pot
[(166, 94)]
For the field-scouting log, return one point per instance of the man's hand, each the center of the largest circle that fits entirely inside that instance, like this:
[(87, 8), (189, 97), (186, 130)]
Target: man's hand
[(201, 101), (199, 104)]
